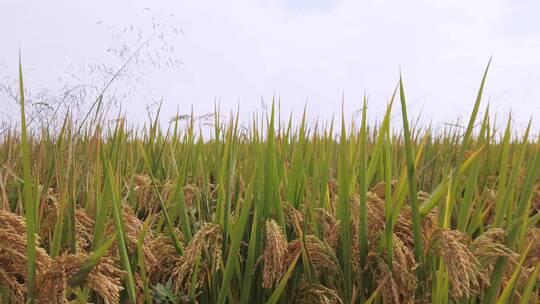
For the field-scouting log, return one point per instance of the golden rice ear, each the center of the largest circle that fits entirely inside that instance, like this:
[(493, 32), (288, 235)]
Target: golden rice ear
[(143, 191), (84, 225), (382, 275), (533, 238), (404, 264), (12, 222), (464, 270), (48, 221), (15, 291), (317, 294), (292, 216), (133, 227), (535, 201), (489, 197), (428, 224), (146, 199), (52, 284), (163, 249), (403, 226), (106, 280), (274, 255), (49, 202), (208, 240), (84, 230), (13, 255), (375, 225), (399, 283), (320, 254), (191, 191), (375, 217), (132, 224), (379, 190), (330, 227), (490, 246)]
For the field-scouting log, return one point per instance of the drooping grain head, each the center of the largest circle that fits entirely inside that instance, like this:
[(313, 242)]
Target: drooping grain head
[(465, 273), (133, 227), (84, 227), (320, 254), (533, 238), (274, 254), (292, 215), (317, 294), (399, 283), (52, 284), (16, 292), (13, 257), (330, 227), (162, 248), (203, 249), (489, 247)]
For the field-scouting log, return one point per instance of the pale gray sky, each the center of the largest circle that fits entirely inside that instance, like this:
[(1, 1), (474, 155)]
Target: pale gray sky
[(240, 51)]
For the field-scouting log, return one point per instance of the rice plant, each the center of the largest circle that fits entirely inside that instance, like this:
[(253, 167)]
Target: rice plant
[(105, 212)]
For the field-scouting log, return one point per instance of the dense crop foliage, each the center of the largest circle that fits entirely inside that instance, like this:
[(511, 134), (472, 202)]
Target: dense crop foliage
[(271, 213)]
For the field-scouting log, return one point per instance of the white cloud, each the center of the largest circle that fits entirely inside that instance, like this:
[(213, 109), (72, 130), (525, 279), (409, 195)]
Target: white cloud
[(239, 51)]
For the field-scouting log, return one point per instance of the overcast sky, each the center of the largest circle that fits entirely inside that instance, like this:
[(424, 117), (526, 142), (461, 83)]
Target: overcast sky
[(305, 52)]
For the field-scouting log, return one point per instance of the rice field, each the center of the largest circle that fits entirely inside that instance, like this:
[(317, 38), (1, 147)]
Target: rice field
[(272, 212)]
